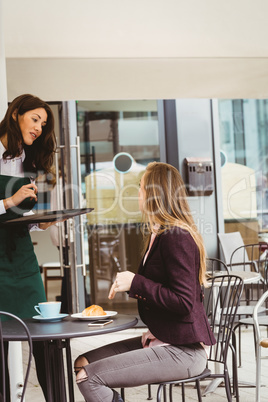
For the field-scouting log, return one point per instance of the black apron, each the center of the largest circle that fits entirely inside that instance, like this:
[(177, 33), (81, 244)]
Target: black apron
[(21, 285)]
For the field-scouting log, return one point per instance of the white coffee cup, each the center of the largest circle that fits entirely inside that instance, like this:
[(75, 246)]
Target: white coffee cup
[(48, 309)]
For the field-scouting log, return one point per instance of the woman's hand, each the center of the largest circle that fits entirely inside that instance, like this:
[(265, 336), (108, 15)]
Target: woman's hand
[(122, 283), (45, 225), (27, 191)]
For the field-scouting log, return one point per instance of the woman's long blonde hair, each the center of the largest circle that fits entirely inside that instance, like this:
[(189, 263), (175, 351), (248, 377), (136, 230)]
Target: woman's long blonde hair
[(166, 206)]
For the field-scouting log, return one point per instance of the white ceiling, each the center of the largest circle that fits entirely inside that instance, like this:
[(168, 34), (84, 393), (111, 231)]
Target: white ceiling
[(119, 49)]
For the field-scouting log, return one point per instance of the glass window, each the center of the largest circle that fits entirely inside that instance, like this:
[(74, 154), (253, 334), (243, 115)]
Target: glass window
[(244, 147)]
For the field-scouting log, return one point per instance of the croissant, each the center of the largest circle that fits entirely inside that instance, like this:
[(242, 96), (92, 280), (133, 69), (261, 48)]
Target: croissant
[(93, 311)]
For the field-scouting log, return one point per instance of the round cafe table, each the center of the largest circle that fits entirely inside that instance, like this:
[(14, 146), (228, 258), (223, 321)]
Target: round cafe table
[(56, 337), (247, 276)]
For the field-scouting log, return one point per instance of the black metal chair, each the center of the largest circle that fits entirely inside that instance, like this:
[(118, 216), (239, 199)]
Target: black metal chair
[(3, 360), (214, 266), (221, 301), (241, 257), (251, 257)]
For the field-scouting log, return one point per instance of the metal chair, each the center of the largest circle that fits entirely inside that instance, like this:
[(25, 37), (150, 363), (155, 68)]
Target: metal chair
[(221, 303), (214, 266), (241, 257), (221, 307), (260, 342), (3, 360), (229, 242), (249, 258)]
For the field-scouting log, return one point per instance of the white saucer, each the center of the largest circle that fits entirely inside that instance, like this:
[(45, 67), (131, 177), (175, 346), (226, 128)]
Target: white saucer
[(97, 317), (50, 319)]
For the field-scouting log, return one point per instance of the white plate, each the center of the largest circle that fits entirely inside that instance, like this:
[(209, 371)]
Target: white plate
[(96, 317), (50, 319)]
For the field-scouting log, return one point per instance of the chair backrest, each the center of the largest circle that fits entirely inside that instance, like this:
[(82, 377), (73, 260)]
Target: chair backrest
[(3, 360), (250, 257), (238, 256), (214, 265), (222, 303), (230, 242)]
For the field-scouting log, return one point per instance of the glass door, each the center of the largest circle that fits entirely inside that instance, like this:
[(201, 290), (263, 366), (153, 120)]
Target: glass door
[(117, 140)]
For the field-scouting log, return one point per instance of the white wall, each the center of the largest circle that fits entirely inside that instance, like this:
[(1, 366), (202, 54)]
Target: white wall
[(144, 29), (100, 49)]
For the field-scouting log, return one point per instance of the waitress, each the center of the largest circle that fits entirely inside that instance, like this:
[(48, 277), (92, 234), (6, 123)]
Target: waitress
[(27, 147)]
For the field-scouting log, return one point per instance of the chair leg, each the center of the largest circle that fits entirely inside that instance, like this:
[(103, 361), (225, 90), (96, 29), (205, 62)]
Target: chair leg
[(182, 392), (123, 393), (235, 374), (255, 340), (159, 392), (258, 373), (198, 390), (227, 385), (234, 359), (239, 345), (165, 393), (170, 393), (149, 392)]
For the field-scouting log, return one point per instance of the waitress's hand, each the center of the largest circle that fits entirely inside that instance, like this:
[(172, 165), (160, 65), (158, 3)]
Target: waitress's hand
[(122, 283), (27, 191), (45, 225)]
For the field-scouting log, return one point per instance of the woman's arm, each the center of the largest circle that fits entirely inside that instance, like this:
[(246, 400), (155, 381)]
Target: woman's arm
[(178, 263)]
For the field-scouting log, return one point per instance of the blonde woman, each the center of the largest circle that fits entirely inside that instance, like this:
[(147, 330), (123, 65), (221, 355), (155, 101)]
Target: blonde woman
[(168, 290)]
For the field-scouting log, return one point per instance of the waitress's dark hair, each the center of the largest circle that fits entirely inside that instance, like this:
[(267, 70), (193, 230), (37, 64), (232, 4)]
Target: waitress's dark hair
[(39, 155)]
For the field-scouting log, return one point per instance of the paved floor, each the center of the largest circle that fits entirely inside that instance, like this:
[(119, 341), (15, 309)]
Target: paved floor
[(246, 372)]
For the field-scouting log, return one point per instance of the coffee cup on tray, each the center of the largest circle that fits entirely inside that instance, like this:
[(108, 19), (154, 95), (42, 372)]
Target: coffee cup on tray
[(48, 309)]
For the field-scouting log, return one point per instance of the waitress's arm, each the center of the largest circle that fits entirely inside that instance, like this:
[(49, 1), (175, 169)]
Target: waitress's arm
[(26, 191), (45, 225), (2, 207), (40, 226)]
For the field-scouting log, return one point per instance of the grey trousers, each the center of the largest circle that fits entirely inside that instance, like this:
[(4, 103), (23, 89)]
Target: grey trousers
[(126, 364)]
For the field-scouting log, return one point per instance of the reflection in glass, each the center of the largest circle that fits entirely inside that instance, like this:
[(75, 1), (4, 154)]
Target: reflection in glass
[(244, 141)]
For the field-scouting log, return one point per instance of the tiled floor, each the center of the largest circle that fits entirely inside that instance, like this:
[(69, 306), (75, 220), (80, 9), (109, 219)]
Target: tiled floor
[(246, 372)]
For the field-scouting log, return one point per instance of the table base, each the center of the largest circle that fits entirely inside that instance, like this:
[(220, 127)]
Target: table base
[(54, 361)]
